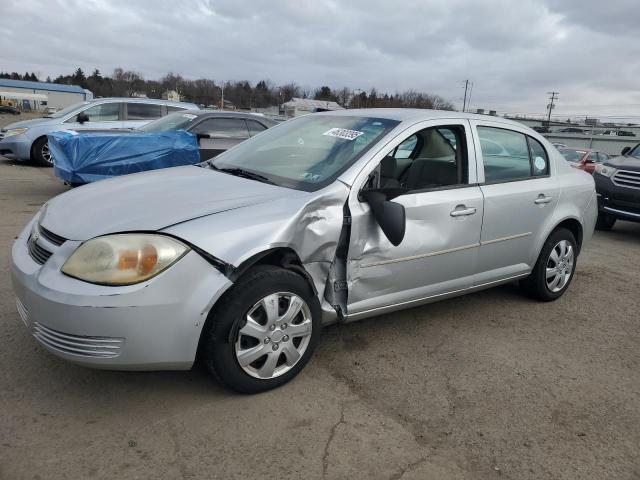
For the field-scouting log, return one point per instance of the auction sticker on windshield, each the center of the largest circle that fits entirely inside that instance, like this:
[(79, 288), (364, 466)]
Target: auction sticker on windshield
[(189, 116), (343, 133)]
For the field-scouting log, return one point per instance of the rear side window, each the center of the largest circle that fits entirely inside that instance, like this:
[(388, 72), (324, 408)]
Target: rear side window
[(539, 158), (223, 128), (171, 109), (255, 127), (143, 111), (511, 156)]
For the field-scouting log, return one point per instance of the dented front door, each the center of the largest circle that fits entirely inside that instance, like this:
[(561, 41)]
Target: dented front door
[(438, 253)]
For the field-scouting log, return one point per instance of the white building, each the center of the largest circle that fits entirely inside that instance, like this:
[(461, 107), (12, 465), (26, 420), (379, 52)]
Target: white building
[(40, 95), (302, 106)]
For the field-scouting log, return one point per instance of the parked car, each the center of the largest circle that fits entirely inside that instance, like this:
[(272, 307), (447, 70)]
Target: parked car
[(9, 109), (216, 130), (541, 129), (583, 158), (618, 187), (619, 133), (581, 131), (244, 258), (27, 140)]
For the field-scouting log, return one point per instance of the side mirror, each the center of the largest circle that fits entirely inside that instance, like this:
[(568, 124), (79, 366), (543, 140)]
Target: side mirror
[(200, 136), (390, 215), (625, 150), (82, 118)]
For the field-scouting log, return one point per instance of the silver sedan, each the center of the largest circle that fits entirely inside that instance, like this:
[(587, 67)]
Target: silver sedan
[(331, 217)]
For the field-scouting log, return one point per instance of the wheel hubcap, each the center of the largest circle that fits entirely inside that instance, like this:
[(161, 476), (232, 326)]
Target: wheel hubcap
[(559, 266), (46, 153), (275, 334)]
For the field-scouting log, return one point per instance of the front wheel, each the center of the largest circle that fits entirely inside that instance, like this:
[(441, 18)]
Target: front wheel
[(40, 153), (554, 268), (263, 331)]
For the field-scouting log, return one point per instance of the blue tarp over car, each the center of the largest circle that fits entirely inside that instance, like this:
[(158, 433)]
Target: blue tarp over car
[(86, 157)]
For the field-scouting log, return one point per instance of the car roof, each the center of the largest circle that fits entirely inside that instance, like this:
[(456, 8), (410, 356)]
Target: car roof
[(141, 100), (224, 113), (417, 114)]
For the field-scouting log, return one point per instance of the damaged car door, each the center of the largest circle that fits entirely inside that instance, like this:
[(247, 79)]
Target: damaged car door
[(431, 172)]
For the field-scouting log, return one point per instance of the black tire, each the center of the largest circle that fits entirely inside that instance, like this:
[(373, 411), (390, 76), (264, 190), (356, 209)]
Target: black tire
[(39, 153), (605, 222), (535, 285), (219, 337)]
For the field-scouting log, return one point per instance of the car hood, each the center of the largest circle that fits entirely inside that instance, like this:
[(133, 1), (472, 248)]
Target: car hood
[(152, 201), (625, 163), (28, 123)]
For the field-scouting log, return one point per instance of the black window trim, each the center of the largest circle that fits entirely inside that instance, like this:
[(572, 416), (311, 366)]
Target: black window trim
[(517, 179)]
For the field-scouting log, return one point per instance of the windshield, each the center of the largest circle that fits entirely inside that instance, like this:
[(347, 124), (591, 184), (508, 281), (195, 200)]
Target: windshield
[(572, 156), (306, 153), (635, 152), (173, 121), (65, 111)]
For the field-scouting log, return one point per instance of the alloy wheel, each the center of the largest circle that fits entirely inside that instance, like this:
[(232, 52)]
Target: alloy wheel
[(559, 266), (46, 153), (274, 335)]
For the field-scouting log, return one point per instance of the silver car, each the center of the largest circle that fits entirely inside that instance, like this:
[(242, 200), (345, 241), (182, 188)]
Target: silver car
[(331, 217), (27, 140)]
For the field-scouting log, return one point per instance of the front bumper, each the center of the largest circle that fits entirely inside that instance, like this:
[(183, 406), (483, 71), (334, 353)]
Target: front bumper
[(621, 202), (16, 146), (154, 325)]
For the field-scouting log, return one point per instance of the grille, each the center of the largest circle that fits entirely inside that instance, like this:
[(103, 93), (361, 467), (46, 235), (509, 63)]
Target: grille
[(22, 311), (96, 347), (627, 178), (51, 237), (38, 253)]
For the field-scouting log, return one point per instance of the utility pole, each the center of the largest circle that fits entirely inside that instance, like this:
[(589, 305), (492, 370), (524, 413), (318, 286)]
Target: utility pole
[(464, 102), (222, 96), (551, 106)]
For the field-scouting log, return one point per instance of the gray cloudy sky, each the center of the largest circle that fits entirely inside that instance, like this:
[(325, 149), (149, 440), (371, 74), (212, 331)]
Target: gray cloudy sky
[(514, 51)]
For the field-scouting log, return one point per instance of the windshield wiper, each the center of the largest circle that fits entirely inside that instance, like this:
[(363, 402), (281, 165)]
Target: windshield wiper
[(240, 172)]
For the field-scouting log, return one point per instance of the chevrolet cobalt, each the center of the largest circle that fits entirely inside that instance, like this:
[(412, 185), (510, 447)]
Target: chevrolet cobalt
[(330, 217)]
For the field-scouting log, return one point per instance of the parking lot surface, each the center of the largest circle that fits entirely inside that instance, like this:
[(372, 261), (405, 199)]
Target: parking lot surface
[(490, 385)]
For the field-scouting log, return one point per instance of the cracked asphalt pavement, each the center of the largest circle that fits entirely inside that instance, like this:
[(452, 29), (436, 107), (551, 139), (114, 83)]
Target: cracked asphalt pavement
[(486, 386)]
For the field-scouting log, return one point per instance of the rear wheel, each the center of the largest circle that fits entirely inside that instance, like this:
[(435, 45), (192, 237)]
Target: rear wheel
[(605, 222), (40, 153), (263, 331), (554, 268)]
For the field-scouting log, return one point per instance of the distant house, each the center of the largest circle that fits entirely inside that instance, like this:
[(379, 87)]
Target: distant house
[(171, 95), (29, 95), (303, 106)]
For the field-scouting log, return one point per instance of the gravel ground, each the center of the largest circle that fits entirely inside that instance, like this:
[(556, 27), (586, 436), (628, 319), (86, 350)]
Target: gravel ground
[(487, 386)]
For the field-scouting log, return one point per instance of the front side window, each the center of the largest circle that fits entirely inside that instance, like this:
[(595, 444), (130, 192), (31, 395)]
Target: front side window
[(223, 128), (509, 156), (306, 153), (143, 111), (431, 158), (105, 112)]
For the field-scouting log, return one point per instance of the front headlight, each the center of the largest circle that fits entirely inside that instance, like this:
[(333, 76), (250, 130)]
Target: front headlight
[(605, 170), (123, 259), (14, 131)]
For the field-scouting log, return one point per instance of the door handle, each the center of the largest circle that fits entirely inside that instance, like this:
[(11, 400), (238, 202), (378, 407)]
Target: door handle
[(542, 199), (461, 211)]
